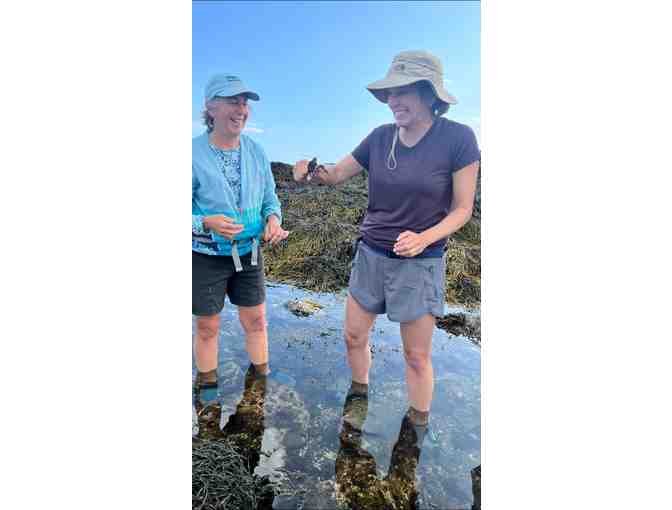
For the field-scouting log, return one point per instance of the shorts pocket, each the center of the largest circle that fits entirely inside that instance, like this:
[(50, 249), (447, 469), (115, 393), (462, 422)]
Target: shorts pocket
[(435, 293), (432, 291), (355, 269)]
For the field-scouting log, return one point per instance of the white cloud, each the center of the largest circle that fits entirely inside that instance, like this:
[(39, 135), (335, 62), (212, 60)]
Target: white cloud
[(251, 129)]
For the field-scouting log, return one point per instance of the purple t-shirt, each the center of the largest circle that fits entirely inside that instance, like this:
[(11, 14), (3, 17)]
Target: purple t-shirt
[(417, 194)]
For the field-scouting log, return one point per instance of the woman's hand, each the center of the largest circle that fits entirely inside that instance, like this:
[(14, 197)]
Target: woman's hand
[(301, 171), (273, 232), (222, 225), (410, 244)]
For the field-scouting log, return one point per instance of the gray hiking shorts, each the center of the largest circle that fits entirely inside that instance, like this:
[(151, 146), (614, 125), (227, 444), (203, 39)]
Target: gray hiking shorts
[(404, 288)]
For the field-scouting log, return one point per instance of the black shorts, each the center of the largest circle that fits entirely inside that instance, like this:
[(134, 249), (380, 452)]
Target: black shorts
[(213, 277)]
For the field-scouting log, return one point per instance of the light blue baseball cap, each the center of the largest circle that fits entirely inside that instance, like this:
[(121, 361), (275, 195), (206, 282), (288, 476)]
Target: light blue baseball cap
[(227, 85)]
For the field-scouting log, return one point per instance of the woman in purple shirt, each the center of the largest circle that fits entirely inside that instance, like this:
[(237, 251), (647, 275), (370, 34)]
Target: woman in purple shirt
[(422, 172)]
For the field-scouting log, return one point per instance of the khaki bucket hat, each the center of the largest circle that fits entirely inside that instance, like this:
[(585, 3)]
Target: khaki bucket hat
[(411, 67)]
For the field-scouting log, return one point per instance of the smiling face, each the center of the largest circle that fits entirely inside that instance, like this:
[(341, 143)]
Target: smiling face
[(229, 114), (407, 106)]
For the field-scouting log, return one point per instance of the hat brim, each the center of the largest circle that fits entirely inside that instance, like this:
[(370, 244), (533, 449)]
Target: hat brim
[(247, 93), (377, 88), (251, 95)]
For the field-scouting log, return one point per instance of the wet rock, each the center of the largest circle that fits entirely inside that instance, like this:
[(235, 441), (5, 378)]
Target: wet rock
[(476, 487), (303, 308), (461, 324)]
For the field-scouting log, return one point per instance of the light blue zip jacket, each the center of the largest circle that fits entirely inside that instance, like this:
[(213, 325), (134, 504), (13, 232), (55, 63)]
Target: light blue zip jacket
[(211, 194)]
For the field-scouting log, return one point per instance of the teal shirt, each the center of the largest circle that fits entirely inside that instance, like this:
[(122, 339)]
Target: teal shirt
[(211, 194)]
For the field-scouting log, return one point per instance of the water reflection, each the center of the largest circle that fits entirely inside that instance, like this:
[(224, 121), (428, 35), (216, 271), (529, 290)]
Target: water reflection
[(295, 428), (245, 426), (357, 482)]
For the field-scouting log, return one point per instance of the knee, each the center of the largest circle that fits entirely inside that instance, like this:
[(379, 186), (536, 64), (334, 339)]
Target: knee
[(355, 338), (207, 329), (418, 361), (254, 323)]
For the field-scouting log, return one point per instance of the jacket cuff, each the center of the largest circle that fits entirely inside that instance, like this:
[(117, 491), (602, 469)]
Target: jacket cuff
[(197, 225), (273, 213)]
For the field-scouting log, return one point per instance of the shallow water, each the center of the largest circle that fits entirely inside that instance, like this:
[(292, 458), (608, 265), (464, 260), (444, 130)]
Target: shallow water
[(294, 424)]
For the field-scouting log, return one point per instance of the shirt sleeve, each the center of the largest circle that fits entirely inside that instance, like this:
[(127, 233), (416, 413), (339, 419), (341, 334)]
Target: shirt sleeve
[(467, 150), (196, 219), (362, 152)]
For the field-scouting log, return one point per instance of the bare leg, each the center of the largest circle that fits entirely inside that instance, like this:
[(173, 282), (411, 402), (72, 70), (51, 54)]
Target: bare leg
[(417, 339), (205, 343), (253, 320), (358, 323)]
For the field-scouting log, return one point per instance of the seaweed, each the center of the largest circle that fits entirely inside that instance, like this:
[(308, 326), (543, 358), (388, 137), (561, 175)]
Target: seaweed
[(324, 221), (222, 479)]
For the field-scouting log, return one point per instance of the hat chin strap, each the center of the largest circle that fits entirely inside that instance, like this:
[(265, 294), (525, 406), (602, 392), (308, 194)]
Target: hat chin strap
[(391, 160)]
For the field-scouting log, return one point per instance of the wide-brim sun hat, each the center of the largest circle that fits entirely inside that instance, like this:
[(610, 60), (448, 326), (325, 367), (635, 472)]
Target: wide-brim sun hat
[(411, 67), (227, 85)]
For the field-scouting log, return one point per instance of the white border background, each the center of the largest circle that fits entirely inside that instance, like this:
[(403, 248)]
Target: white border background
[(95, 276), (576, 255), (96, 361)]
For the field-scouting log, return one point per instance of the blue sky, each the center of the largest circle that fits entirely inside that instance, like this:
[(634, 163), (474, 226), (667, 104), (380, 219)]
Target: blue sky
[(311, 61)]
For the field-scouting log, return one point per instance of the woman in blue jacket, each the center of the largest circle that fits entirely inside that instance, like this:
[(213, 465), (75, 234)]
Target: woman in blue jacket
[(234, 206)]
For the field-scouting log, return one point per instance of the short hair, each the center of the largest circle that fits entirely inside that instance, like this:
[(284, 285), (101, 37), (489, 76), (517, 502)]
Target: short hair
[(208, 120), (426, 92)]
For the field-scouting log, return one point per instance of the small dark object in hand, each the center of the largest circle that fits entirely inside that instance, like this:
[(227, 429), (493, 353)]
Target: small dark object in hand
[(313, 168)]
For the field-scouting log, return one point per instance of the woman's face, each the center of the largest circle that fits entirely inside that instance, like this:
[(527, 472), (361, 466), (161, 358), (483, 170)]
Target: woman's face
[(407, 106), (230, 114)]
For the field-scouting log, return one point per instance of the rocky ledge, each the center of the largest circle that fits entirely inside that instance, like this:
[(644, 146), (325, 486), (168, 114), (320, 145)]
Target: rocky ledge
[(324, 221)]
